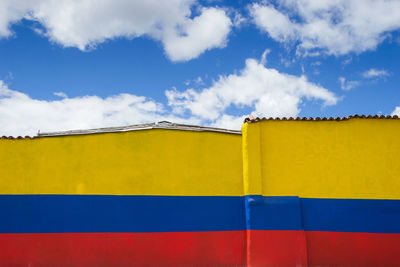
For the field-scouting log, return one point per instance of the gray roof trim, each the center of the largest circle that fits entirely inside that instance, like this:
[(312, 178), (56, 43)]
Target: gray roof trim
[(156, 125)]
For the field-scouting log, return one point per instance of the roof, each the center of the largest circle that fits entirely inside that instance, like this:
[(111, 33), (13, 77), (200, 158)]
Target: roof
[(194, 128), (137, 127), (257, 119)]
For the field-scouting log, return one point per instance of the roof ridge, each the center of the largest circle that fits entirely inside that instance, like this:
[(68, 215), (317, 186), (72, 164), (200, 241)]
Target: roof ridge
[(145, 126), (252, 119)]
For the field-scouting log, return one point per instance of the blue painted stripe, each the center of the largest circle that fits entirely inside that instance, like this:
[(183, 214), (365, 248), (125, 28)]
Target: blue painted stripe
[(273, 213), (92, 213), (351, 215), (316, 214)]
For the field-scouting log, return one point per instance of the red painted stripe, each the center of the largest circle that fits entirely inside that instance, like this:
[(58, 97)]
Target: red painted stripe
[(222, 248), (317, 248), (352, 249), (276, 248)]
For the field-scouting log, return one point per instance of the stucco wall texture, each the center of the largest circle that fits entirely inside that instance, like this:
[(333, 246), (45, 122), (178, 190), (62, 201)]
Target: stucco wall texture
[(284, 193)]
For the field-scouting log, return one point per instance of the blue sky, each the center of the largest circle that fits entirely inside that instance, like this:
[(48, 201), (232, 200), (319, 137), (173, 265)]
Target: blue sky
[(75, 64)]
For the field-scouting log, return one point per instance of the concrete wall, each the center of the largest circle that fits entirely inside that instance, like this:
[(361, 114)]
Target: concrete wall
[(325, 193), (149, 197), (286, 193), (145, 162)]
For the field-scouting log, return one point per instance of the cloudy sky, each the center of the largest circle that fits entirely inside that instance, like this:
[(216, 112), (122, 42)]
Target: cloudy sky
[(69, 64)]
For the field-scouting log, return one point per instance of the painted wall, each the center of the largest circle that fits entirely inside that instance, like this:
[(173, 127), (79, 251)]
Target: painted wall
[(149, 197), (145, 162), (286, 193), (323, 193)]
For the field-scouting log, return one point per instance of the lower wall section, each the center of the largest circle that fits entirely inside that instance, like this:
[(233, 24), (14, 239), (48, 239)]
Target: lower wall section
[(221, 248), (276, 248), (255, 230), (352, 249), (317, 248)]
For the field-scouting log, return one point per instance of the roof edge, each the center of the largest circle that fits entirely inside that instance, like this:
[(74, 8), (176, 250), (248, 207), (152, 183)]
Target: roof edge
[(186, 127), (137, 127), (252, 119)]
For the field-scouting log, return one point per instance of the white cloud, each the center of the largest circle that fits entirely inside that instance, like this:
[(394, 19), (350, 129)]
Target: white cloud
[(347, 61), (23, 115), (375, 73), (334, 27), (316, 63), (264, 55), (347, 85), (276, 24), (264, 90), (85, 23), (371, 73), (60, 94), (229, 122), (207, 31), (396, 111), (256, 89), (239, 20)]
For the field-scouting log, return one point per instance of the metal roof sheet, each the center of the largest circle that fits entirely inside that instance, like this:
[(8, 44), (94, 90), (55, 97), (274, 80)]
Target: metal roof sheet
[(147, 126)]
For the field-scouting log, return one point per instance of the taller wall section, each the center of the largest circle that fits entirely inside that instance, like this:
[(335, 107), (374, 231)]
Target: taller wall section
[(322, 193)]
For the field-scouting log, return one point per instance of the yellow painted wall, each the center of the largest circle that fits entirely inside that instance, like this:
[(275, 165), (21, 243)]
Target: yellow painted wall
[(357, 158), (145, 162)]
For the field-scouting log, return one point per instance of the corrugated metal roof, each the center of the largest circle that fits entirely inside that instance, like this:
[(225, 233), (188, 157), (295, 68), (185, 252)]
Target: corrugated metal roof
[(147, 126), (156, 125)]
